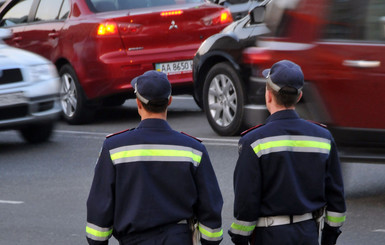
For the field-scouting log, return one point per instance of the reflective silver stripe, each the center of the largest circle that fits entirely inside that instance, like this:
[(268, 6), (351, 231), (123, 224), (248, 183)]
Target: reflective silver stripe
[(97, 233), (243, 228), (335, 219), (293, 143), (210, 234), (148, 152), (274, 86), (140, 97)]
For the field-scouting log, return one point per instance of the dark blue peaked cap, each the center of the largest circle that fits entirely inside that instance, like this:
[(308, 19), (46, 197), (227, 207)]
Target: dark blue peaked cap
[(284, 73), (152, 86)]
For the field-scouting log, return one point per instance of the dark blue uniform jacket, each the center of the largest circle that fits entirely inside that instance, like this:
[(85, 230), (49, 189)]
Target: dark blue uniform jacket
[(288, 166), (149, 177)]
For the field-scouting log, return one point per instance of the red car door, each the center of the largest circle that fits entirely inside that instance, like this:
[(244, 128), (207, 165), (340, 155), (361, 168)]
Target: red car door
[(16, 18), (352, 65), (43, 36)]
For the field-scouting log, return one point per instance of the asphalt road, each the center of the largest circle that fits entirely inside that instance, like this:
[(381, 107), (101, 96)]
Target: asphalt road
[(43, 188)]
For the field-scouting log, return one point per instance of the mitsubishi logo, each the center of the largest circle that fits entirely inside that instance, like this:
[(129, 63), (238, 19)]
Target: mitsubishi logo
[(173, 25)]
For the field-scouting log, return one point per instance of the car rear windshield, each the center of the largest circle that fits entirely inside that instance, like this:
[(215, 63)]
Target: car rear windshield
[(111, 5)]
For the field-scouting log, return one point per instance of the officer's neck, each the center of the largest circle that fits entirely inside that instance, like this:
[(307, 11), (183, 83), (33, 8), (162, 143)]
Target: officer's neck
[(144, 114), (151, 115), (273, 108)]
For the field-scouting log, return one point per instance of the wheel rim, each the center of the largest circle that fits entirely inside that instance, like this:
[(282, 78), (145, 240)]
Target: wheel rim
[(68, 96), (222, 100)]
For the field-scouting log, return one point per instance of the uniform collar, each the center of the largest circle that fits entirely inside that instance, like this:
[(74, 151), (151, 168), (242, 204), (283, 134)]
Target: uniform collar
[(285, 114), (154, 123)]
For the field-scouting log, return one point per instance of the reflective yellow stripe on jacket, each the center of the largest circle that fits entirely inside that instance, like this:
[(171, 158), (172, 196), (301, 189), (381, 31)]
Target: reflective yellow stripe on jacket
[(294, 143), (243, 228), (335, 219), (210, 234), (97, 233), (164, 153)]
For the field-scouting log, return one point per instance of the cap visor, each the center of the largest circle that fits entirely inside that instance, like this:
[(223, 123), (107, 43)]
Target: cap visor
[(134, 81), (266, 72)]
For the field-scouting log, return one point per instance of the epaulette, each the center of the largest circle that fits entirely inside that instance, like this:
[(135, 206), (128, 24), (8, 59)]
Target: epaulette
[(251, 129), (319, 124), (191, 136), (113, 134)]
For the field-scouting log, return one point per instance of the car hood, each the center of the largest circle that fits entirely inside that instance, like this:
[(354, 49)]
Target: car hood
[(10, 56)]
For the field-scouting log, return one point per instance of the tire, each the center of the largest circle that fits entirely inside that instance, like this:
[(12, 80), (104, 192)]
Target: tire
[(72, 98), (197, 102), (37, 133), (114, 101), (224, 100)]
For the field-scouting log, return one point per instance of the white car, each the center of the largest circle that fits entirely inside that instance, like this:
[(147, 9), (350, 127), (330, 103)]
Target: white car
[(29, 92)]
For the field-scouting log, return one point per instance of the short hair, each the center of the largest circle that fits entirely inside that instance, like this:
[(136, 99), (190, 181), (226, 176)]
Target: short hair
[(286, 96), (156, 107)]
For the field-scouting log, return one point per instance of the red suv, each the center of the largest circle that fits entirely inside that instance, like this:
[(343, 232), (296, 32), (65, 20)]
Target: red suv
[(340, 46), (98, 46)]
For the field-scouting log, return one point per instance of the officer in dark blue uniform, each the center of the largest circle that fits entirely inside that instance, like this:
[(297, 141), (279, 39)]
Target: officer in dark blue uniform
[(288, 170), (150, 181)]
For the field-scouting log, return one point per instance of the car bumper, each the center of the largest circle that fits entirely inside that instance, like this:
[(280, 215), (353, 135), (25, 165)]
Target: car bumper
[(113, 72), (41, 105)]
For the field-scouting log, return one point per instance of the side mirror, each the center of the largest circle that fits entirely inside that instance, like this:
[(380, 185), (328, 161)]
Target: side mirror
[(257, 14), (5, 33)]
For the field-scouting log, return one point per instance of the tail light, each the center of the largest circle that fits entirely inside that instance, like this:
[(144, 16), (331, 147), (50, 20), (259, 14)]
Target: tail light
[(111, 28), (171, 13), (220, 18), (129, 28), (107, 29)]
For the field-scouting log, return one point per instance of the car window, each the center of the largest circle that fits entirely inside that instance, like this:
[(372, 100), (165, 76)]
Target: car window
[(237, 1), (356, 20), (17, 14), (65, 10), (48, 10), (110, 5)]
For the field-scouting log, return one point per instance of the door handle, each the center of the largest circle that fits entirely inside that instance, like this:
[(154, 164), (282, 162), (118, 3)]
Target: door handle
[(53, 34), (17, 39), (362, 63)]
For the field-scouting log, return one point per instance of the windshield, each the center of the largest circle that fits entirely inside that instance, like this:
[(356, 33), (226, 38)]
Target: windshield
[(275, 12), (111, 5)]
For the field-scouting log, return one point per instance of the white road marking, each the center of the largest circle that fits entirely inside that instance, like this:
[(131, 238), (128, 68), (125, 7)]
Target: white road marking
[(380, 230), (208, 141), (10, 202)]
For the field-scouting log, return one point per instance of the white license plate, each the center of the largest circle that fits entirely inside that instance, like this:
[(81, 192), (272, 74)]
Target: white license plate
[(174, 68), (12, 99)]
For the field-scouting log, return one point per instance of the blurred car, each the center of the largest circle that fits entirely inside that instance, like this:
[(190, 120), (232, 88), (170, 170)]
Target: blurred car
[(339, 45), (29, 92), (98, 46), (341, 55), (221, 79)]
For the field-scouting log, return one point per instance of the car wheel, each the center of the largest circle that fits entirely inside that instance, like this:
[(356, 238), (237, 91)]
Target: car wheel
[(114, 101), (37, 133), (223, 99), (72, 99)]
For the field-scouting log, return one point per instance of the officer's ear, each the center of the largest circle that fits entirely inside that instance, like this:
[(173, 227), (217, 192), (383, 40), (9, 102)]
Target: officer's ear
[(268, 95), (139, 103), (169, 101), (299, 96)]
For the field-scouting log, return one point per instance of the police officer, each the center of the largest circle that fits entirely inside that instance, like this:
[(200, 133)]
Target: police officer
[(151, 180), (288, 170)]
